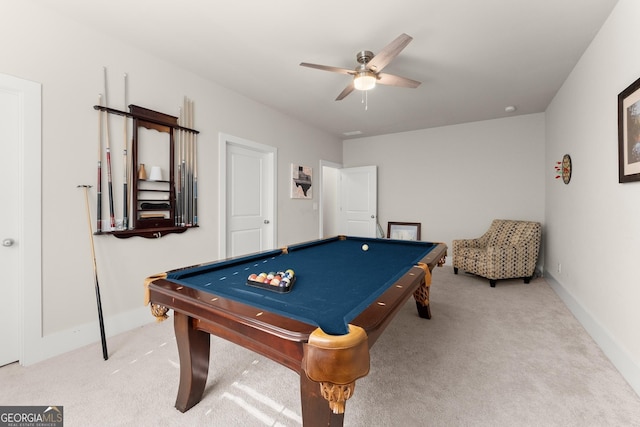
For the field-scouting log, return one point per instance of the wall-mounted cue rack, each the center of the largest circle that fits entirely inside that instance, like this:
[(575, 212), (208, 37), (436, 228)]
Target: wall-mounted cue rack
[(163, 205)]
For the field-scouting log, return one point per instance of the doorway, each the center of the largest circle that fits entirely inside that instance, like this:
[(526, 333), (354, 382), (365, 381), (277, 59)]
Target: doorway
[(248, 217), (329, 199), (348, 200), (20, 229)]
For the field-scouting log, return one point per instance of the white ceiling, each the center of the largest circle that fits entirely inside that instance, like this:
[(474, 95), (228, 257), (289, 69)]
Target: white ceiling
[(473, 57)]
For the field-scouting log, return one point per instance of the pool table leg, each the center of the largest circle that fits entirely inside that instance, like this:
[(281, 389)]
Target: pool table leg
[(421, 295), (193, 349), (315, 408)]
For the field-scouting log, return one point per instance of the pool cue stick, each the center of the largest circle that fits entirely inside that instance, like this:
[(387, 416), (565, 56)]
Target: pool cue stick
[(195, 174), (179, 171), (188, 159), (193, 165), (183, 176), (99, 183), (185, 164), (103, 338), (112, 215), (125, 191)]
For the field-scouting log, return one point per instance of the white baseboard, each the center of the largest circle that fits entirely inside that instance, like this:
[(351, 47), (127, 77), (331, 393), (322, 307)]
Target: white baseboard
[(609, 345), (64, 341)]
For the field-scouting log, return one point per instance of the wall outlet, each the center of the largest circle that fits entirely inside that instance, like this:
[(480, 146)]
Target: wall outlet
[(559, 268)]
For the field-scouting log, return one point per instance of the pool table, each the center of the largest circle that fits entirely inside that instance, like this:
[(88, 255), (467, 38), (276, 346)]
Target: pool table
[(346, 291)]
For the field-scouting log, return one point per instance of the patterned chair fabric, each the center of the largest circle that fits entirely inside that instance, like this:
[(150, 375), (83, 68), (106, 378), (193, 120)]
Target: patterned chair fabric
[(509, 249)]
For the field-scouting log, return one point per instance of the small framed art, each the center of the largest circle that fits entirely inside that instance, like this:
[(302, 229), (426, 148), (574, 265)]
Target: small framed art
[(403, 230), (301, 182), (629, 133)]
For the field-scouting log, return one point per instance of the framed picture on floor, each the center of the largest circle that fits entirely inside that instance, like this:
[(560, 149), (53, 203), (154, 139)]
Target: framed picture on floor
[(403, 230), (629, 133)]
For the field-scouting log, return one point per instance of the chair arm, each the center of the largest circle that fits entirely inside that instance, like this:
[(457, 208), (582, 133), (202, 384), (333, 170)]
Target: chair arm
[(495, 253), (519, 250), (466, 243)]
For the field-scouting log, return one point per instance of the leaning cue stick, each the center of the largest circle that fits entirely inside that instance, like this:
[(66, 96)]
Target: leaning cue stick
[(183, 175), (95, 275), (99, 183), (184, 165), (189, 123), (188, 165), (192, 139), (179, 171), (112, 215), (125, 192), (195, 173)]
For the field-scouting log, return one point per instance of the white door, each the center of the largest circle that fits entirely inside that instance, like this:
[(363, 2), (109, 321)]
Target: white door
[(249, 197), (359, 201), (9, 224), (329, 199)]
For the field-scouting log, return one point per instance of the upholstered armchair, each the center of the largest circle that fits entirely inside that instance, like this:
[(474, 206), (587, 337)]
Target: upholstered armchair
[(508, 250)]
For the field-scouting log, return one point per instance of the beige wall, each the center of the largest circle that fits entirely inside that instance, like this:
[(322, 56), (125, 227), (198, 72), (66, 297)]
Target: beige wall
[(593, 226), (68, 59), (456, 179)]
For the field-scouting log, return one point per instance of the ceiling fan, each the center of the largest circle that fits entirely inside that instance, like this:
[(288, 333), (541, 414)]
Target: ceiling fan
[(368, 71)]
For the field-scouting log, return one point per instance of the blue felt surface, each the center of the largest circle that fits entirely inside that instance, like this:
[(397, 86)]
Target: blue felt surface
[(335, 279)]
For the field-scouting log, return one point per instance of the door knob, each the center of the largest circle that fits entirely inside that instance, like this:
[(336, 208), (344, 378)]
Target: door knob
[(266, 221), (8, 242)]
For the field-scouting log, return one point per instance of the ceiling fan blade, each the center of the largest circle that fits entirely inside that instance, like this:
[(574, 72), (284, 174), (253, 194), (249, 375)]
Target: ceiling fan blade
[(328, 68), (391, 80), (347, 90), (390, 51)]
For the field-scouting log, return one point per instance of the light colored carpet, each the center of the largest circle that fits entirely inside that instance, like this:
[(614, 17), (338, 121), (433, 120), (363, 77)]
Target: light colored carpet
[(509, 356)]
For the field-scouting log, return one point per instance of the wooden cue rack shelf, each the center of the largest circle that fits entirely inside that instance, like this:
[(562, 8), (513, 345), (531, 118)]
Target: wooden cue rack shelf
[(142, 221)]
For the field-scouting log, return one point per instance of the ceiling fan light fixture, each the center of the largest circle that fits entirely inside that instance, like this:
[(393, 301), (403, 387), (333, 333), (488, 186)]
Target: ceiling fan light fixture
[(364, 80)]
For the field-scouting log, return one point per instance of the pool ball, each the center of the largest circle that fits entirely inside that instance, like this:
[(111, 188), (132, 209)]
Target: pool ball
[(365, 247)]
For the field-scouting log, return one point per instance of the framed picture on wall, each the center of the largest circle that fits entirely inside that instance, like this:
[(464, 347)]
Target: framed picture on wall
[(629, 133), (301, 182), (403, 230)]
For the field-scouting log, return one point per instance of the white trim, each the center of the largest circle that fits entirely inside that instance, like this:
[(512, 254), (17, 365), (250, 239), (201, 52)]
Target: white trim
[(30, 208), (82, 335), (616, 353), (320, 181), (223, 141)]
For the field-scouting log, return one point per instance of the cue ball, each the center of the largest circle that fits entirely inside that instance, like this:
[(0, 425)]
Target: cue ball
[(365, 247)]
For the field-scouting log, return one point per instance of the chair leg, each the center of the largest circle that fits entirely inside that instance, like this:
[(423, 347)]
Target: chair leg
[(527, 279), (455, 270), (493, 282)]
